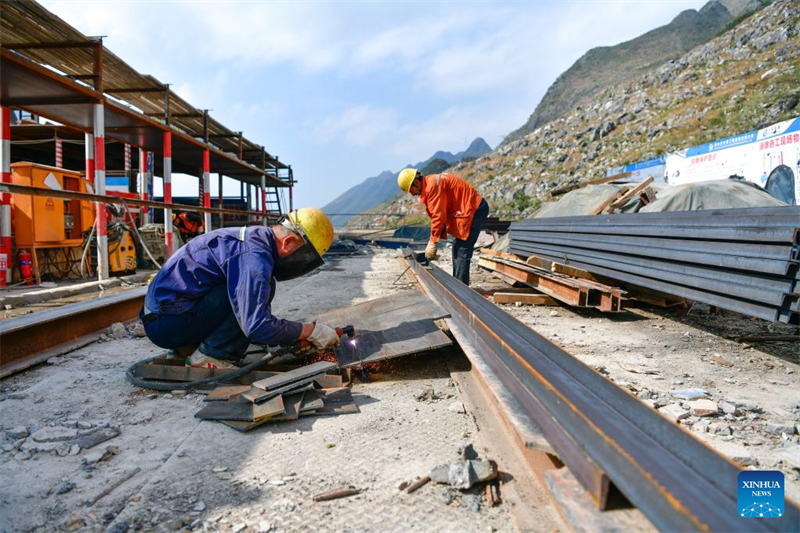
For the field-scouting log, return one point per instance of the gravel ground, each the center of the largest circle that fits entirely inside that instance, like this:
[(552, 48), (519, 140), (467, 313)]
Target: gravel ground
[(208, 477)]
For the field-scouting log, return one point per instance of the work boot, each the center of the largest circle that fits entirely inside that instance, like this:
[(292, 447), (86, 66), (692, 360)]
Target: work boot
[(201, 360)]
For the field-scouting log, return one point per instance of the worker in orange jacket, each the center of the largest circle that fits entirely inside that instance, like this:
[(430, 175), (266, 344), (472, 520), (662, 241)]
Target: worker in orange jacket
[(455, 208), (188, 223)]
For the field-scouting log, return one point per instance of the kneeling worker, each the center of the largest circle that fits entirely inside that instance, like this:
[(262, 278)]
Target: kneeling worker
[(452, 204), (212, 298)]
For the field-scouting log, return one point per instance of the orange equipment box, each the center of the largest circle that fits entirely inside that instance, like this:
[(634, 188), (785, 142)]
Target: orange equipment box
[(38, 220)]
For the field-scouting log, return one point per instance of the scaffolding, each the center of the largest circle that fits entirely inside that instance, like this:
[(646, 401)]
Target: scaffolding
[(52, 70)]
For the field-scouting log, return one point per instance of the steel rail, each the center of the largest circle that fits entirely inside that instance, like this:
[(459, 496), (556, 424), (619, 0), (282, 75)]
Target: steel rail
[(783, 235), (30, 339), (677, 481), (753, 217), (740, 306), (707, 250), (771, 291)]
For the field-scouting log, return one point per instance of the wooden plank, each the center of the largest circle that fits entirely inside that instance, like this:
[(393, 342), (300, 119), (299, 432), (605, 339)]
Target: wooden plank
[(539, 262), (622, 200), (567, 188), (241, 410), (503, 255), (281, 380), (569, 270), (388, 327), (526, 299), (561, 289), (608, 201)]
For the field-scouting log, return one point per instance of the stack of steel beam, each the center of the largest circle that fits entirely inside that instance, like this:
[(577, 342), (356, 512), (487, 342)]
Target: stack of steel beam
[(744, 260), (601, 432)]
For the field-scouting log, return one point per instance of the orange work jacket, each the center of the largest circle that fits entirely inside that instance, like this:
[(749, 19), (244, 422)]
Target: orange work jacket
[(451, 202), (185, 225)]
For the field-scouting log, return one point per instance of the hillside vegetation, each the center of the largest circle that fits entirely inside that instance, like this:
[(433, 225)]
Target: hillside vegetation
[(606, 65), (744, 79)]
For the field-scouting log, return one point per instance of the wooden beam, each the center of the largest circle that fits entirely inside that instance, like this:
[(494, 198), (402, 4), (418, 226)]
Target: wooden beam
[(176, 115), (567, 188), (97, 68), (124, 90), (610, 200), (526, 299), (22, 101), (622, 200), (50, 45)]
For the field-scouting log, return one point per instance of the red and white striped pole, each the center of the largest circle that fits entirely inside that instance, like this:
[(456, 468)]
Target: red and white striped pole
[(100, 188), (5, 198), (89, 142), (263, 198), (206, 189), (127, 161), (144, 191), (59, 154), (168, 192)]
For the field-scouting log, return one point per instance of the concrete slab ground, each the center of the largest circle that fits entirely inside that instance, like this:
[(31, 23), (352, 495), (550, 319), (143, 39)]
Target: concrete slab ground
[(207, 477)]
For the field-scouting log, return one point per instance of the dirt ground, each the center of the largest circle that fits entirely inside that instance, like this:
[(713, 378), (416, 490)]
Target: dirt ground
[(204, 476), (658, 354)]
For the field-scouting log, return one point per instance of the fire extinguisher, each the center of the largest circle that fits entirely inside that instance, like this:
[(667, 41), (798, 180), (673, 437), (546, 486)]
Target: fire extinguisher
[(24, 261)]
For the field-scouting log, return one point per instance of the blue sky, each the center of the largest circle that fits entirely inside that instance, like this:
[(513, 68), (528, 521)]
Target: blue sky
[(344, 90)]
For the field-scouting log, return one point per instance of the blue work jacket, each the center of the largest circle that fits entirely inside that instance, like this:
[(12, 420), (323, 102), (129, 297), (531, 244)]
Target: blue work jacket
[(240, 258)]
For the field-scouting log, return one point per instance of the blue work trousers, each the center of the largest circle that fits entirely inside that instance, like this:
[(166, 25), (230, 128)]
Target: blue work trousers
[(462, 250), (210, 322)]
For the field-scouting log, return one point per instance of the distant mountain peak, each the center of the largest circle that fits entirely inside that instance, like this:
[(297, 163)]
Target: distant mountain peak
[(375, 190)]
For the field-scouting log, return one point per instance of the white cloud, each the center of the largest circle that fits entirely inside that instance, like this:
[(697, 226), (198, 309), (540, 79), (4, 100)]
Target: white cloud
[(361, 125), (410, 140)]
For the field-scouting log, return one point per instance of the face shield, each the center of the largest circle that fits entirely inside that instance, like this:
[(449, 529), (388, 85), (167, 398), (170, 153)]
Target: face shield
[(302, 261)]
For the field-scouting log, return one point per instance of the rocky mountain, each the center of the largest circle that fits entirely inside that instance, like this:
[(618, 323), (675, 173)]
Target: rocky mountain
[(608, 65), (378, 189), (746, 78)]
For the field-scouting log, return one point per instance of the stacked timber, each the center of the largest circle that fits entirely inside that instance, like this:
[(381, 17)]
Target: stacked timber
[(743, 260), (575, 292)]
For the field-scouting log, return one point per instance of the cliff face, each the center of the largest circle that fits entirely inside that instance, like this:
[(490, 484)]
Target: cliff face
[(610, 65), (744, 79)]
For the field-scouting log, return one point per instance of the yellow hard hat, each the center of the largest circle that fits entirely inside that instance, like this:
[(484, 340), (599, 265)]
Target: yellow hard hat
[(406, 178), (315, 225)]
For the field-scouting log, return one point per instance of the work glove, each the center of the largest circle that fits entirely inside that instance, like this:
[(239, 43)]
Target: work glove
[(431, 250), (323, 336)]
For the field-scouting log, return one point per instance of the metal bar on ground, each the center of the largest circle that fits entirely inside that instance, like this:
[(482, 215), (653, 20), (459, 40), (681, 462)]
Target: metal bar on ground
[(31, 339), (740, 306), (676, 480)]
